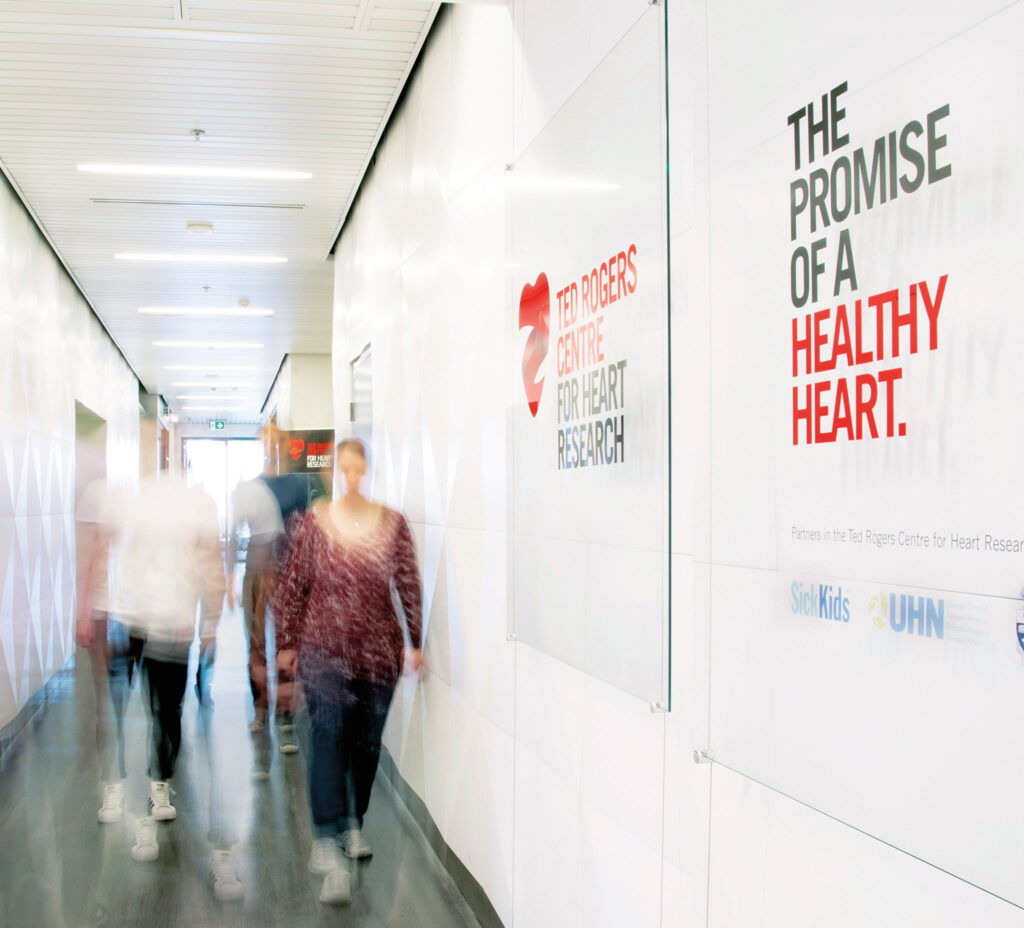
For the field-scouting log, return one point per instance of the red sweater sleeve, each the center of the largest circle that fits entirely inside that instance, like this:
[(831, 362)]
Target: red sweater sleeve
[(291, 590), (407, 581)]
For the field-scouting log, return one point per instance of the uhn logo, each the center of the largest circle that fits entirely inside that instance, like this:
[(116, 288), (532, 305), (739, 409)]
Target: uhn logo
[(535, 314), (915, 615)]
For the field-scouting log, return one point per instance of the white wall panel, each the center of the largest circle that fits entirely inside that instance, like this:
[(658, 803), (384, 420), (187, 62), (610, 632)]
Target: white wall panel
[(557, 46), (53, 352), (623, 767), (777, 864), (550, 699), (621, 874), (479, 819), (548, 883)]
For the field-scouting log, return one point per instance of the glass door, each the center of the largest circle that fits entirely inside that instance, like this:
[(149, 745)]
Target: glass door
[(218, 465)]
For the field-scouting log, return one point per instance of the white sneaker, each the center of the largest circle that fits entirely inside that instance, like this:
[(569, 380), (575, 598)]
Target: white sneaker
[(259, 720), (113, 804), (260, 774), (337, 888), (145, 849), (160, 801), (324, 857), (287, 743), (227, 887), (354, 844)]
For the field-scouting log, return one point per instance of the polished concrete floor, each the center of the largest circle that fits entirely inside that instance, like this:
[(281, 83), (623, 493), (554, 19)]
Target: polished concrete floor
[(60, 868)]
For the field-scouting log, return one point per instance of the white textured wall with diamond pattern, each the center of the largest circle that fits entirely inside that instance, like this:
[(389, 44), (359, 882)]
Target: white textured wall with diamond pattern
[(54, 352)]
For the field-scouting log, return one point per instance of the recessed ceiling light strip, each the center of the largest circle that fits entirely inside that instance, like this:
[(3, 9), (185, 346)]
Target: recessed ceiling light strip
[(207, 344), (130, 202), (194, 171), (218, 385), (199, 258), (219, 399), (236, 409), (206, 367), (202, 311)]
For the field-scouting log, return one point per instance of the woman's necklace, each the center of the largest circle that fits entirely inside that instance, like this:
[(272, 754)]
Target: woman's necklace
[(354, 519)]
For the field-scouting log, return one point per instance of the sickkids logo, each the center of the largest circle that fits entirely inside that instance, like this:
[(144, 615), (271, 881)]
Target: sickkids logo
[(819, 601), (591, 390), (912, 615)]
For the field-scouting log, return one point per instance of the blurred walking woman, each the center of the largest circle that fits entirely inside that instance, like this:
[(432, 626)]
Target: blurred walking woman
[(337, 620)]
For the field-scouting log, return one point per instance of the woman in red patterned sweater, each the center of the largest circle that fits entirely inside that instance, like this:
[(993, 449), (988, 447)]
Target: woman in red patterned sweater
[(337, 628)]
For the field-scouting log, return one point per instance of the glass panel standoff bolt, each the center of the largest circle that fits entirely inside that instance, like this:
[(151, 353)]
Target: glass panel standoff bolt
[(701, 757), (658, 707)]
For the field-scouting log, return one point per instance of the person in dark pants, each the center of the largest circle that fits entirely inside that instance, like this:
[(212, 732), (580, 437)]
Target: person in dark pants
[(337, 624), (347, 721), (270, 506), (166, 539)]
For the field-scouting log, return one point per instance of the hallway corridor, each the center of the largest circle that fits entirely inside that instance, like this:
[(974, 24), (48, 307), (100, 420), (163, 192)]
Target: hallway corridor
[(62, 869)]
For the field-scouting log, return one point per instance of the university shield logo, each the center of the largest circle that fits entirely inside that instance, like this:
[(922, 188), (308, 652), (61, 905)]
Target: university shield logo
[(1020, 635), (535, 314)]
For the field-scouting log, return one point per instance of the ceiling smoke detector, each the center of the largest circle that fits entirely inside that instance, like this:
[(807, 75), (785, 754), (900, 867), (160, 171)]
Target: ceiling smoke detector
[(199, 228)]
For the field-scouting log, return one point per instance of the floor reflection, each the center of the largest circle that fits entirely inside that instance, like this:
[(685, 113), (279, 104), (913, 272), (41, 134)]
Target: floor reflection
[(61, 868)]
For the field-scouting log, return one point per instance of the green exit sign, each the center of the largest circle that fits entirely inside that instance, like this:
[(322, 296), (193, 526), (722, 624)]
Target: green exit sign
[(216, 425)]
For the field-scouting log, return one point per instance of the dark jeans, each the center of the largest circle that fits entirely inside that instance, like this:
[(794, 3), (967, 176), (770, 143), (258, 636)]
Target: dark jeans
[(164, 680), (346, 723)]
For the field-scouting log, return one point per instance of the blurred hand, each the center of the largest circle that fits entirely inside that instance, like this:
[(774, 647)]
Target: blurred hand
[(413, 662), (288, 662), (208, 649), (85, 632)]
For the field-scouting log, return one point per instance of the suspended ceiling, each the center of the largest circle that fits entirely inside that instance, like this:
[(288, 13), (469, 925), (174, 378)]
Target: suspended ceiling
[(272, 84)]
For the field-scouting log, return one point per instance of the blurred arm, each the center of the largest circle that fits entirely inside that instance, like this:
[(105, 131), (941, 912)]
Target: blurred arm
[(407, 583), (291, 592)]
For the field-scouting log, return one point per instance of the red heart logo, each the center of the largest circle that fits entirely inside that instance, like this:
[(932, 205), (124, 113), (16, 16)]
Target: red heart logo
[(295, 447), (535, 313)]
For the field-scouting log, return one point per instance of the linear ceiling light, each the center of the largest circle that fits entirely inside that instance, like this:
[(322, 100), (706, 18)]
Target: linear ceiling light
[(221, 399), (194, 171), (235, 409), (218, 384), (129, 201), (205, 367), (204, 311), (199, 258), (207, 345)]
